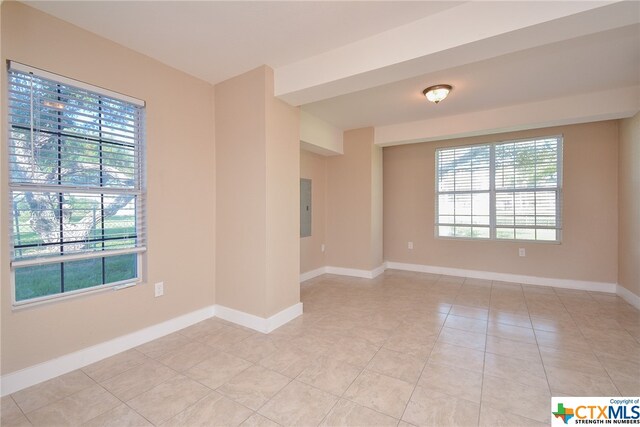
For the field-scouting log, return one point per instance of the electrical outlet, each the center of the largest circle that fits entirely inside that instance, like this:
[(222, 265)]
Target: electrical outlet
[(322, 247), (410, 245), (522, 252), (159, 289)]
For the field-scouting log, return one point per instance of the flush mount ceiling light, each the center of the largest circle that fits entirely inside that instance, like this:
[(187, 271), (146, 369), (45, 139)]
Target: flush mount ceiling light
[(437, 93)]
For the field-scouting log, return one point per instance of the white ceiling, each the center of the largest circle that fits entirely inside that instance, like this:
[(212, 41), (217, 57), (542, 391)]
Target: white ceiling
[(597, 62), (365, 63), (216, 40)]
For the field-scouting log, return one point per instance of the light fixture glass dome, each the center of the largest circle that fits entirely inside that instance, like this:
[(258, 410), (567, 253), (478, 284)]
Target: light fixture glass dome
[(437, 93)]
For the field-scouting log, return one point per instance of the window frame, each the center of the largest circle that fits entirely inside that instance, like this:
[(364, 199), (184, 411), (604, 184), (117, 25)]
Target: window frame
[(493, 191), (139, 190)]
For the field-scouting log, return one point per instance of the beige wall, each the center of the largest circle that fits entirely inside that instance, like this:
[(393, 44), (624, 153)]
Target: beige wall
[(377, 207), (353, 204), (590, 211), (314, 167), (180, 166), (257, 169), (629, 210), (283, 202), (240, 190)]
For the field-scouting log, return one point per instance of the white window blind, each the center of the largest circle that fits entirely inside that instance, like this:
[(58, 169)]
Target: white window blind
[(508, 191), (76, 169), (464, 191)]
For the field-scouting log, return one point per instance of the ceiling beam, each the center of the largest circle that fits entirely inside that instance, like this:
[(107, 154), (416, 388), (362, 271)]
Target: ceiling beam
[(583, 108), (421, 47)]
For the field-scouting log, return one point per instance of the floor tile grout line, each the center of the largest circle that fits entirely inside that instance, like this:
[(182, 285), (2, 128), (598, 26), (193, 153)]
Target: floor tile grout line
[(544, 368), (181, 373), (540, 362), (428, 357), (222, 349), (267, 401), (592, 352), (222, 396), (59, 398), (144, 356), (377, 298), (351, 383), (364, 368), (18, 406), (109, 393), (128, 406), (484, 358)]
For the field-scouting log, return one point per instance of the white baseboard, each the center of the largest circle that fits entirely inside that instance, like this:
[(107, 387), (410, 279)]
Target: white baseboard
[(260, 324), (18, 380), (582, 285), (379, 270), (505, 277), (285, 316), (353, 272), (628, 296), (313, 273), (32, 375), (341, 271), (15, 381)]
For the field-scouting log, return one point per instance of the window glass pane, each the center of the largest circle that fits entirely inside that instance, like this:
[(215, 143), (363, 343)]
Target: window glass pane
[(120, 222), (481, 208), (544, 234), (525, 234), (526, 192), (463, 204), (527, 164), (463, 180), (89, 148), (481, 220), (480, 232), (82, 274), (463, 168), (463, 219), (446, 231), (524, 203), (546, 208), (446, 204), (121, 267), (463, 232), (505, 220), (446, 219), (546, 163), (505, 233), (37, 281), (526, 208), (546, 221), (43, 280), (73, 153), (46, 223), (24, 236), (36, 223), (525, 220)]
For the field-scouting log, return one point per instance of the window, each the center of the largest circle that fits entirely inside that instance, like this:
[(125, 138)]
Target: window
[(76, 158), (505, 191)]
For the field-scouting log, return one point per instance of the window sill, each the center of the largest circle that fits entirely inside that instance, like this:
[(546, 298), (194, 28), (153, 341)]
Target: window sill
[(34, 302), (470, 239)]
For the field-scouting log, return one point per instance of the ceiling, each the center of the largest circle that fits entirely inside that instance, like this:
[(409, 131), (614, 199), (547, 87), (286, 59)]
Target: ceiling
[(216, 40), (513, 65), (592, 63)]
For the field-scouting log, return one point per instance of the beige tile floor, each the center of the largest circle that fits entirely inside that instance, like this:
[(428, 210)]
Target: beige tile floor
[(402, 349)]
